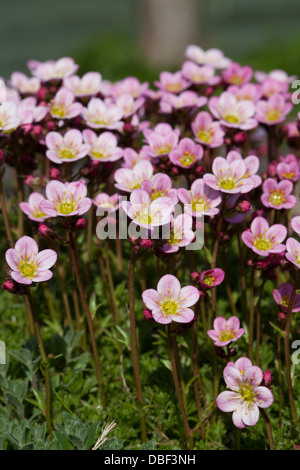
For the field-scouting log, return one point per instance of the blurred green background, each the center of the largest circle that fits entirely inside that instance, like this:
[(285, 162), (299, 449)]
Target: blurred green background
[(109, 35)]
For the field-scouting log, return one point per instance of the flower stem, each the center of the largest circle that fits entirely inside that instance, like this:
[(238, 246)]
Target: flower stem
[(45, 364), (172, 339), (197, 382), (269, 428), (251, 315), (88, 316), (133, 341), (287, 356), (5, 216)]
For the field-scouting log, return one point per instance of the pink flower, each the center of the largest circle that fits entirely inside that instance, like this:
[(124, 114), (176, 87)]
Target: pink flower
[(131, 157), (200, 200), (28, 112), (233, 113), (250, 92), (252, 165), (225, 331), (246, 395), (273, 111), (129, 179), (213, 57), (67, 148), (235, 74), (89, 84), (160, 186), (63, 106), (277, 74), (295, 224), (206, 131), (186, 99), (278, 195), (263, 239), (146, 213), (27, 264), (282, 297), (170, 302), (288, 171), (181, 233), (103, 147), (53, 70), (32, 207), (186, 154), (270, 86), (293, 251), (129, 105), (230, 176), (211, 278), (102, 115), (199, 75), (24, 84), (9, 119), (106, 202), (172, 82), (65, 199), (129, 85), (161, 140)]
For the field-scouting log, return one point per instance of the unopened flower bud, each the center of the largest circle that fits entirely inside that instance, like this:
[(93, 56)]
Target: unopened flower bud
[(80, 224), (267, 379), (240, 137), (147, 315)]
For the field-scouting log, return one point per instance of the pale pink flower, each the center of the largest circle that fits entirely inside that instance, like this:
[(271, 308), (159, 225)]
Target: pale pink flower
[(63, 106), (9, 119), (252, 165), (129, 179), (129, 85), (104, 147), (263, 239), (250, 92), (186, 99), (270, 86), (186, 154), (53, 70), (25, 84), (277, 74), (29, 112), (225, 331), (289, 171), (235, 74), (129, 105), (171, 302), (89, 84), (172, 82), (278, 195), (131, 157), (206, 131), (65, 199), (246, 395), (283, 295), (106, 202), (32, 207), (200, 200), (181, 233), (146, 213), (27, 264), (293, 251), (160, 185), (233, 113), (273, 111), (199, 75), (102, 115), (230, 175), (67, 148), (161, 140), (295, 224), (213, 57)]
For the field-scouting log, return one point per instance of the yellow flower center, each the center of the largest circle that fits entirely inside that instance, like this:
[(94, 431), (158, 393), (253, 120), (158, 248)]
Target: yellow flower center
[(67, 154), (262, 244), (163, 149), (227, 183), (99, 155), (174, 86), (58, 110), (205, 136), (247, 393), (187, 158), (38, 213), (209, 279), (236, 80), (66, 207), (27, 269), (169, 307), (288, 176), (226, 335), (200, 204), (273, 115), (277, 197), (232, 118)]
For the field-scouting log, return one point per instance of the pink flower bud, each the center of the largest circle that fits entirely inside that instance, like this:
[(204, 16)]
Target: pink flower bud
[(50, 125), (195, 276), (10, 286), (37, 131), (127, 127), (147, 244), (272, 168), (147, 315), (267, 379), (243, 206), (45, 231), (80, 224), (240, 138), (42, 93), (1, 156), (55, 173)]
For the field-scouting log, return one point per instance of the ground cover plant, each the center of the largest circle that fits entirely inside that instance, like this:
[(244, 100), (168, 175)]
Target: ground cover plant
[(150, 247)]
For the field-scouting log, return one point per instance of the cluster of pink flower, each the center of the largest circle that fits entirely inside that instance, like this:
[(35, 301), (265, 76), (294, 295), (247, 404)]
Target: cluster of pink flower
[(199, 141)]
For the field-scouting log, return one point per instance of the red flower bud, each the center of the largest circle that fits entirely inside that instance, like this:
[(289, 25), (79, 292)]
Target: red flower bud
[(147, 315), (267, 379)]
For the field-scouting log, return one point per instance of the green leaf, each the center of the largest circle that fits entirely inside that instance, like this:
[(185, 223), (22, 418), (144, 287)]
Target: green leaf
[(63, 440)]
